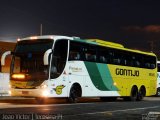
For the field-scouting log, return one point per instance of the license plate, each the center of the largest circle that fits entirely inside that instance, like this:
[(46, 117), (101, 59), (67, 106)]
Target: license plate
[(25, 92)]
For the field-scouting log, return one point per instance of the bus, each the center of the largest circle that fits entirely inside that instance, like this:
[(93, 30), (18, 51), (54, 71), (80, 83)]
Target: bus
[(158, 79), (4, 72), (4, 86), (70, 67)]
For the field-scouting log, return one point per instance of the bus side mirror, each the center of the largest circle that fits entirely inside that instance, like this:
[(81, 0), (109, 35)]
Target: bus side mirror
[(46, 56), (4, 57)]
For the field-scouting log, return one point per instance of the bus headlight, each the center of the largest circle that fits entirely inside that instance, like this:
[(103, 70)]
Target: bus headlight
[(43, 86), (9, 92), (18, 76), (45, 93)]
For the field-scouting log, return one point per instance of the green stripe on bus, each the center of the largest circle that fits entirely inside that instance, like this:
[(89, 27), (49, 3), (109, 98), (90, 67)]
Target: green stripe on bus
[(106, 76), (100, 76)]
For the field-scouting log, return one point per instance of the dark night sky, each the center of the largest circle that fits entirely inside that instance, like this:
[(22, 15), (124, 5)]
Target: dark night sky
[(134, 23)]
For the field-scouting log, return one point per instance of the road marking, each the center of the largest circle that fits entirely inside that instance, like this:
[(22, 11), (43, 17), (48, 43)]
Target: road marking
[(9, 105), (110, 112)]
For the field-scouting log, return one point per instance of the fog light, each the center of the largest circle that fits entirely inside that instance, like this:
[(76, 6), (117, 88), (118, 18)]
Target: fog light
[(45, 93)]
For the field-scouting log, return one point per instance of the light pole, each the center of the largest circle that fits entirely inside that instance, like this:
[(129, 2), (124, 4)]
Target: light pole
[(41, 29)]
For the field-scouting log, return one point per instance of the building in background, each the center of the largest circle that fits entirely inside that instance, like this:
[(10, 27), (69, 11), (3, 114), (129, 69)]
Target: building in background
[(6, 46), (4, 70)]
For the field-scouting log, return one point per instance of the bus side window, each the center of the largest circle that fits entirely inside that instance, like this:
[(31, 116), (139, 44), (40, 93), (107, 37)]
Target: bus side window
[(77, 57), (152, 66), (71, 56), (92, 58), (86, 56), (116, 61), (53, 71), (124, 62), (158, 67), (103, 59), (147, 65)]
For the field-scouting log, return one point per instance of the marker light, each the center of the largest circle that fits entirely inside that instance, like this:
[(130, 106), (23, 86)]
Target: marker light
[(33, 37), (18, 76), (114, 83), (18, 39), (51, 37)]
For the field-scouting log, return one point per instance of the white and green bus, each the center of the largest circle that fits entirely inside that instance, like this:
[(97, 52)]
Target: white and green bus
[(158, 79), (70, 67)]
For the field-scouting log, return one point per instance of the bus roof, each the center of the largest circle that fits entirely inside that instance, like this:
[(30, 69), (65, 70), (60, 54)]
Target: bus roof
[(89, 41), (113, 45), (46, 37)]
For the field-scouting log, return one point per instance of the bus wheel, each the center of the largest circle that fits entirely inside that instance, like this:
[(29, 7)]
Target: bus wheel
[(141, 93), (75, 92), (134, 94), (158, 92), (40, 100)]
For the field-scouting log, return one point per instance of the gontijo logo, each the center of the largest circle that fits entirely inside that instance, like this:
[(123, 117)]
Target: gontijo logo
[(58, 89), (75, 69), (127, 72)]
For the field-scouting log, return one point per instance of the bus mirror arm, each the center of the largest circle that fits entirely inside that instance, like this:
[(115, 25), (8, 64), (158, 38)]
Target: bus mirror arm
[(46, 56), (3, 58)]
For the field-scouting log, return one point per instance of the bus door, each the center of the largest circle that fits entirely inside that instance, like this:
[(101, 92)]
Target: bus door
[(57, 68)]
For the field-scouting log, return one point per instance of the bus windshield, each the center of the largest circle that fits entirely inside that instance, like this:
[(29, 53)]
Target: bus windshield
[(158, 66), (28, 58)]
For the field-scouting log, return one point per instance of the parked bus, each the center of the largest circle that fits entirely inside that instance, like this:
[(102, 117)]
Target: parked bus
[(4, 73), (4, 84), (70, 67), (158, 79)]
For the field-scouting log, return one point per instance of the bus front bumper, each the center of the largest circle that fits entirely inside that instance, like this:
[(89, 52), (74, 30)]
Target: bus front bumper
[(29, 92)]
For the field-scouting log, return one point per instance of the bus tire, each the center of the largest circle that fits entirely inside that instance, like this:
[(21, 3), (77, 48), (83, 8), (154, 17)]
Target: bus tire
[(158, 92), (75, 93), (141, 93), (133, 94)]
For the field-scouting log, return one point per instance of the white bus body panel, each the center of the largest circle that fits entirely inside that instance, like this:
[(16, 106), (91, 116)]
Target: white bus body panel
[(4, 84), (76, 72)]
